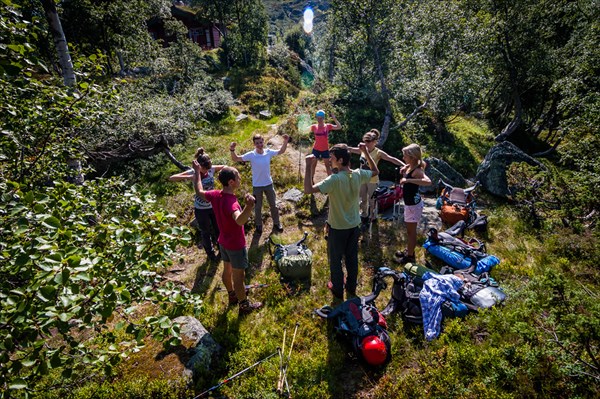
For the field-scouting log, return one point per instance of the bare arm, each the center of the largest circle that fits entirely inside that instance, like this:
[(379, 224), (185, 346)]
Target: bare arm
[(309, 188), (286, 139), (217, 168), (234, 157), (242, 217), (337, 125), (354, 150), (372, 164), (182, 176), (386, 157), (198, 181)]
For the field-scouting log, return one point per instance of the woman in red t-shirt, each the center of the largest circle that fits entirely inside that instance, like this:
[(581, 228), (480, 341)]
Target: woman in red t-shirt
[(321, 147)]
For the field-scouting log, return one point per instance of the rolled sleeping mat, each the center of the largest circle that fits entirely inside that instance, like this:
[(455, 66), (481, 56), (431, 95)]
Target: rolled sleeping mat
[(416, 270)]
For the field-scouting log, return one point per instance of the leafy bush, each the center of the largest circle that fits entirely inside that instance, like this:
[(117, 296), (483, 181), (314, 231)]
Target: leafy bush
[(142, 388), (285, 62), (73, 259), (268, 93), (554, 197)]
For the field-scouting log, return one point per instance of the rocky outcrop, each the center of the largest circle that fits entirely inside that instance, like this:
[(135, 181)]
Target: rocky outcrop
[(437, 169), (204, 349), (492, 171)]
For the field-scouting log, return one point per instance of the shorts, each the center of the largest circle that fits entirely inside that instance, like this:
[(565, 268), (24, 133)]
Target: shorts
[(320, 154), (237, 258), (413, 213)]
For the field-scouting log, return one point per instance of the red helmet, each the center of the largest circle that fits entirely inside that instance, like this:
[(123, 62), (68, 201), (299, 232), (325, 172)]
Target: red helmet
[(373, 350)]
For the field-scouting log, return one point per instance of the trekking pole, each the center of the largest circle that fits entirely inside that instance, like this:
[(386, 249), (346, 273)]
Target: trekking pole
[(226, 380), (248, 286), (281, 355), (287, 363)]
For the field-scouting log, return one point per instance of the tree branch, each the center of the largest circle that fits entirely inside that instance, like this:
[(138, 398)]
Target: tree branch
[(412, 115)]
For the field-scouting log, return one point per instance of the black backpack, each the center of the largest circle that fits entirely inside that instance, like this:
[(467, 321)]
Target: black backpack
[(356, 319)]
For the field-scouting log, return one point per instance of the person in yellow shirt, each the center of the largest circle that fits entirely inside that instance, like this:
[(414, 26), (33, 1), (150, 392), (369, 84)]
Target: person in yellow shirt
[(367, 202)]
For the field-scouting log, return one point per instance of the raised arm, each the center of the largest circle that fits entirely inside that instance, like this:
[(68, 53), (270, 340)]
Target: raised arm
[(242, 217), (309, 188), (234, 157), (337, 125), (354, 150), (386, 157), (372, 164), (186, 175), (198, 180), (286, 139)]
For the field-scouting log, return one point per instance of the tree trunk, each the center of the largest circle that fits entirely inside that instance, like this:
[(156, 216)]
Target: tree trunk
[(514, 124), (548, 151), (514, 83), (129, 151), (60, 41), (385, 94), (332, 58), (122, 72)]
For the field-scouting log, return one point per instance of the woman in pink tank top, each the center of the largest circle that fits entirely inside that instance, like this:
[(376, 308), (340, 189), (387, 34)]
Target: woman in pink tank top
[(321, 146)]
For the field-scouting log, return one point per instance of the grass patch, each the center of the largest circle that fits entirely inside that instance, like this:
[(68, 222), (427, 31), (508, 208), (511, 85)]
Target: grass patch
[(462, 142)]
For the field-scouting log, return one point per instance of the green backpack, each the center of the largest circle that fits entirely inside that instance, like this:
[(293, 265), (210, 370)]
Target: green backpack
[(294, 261)]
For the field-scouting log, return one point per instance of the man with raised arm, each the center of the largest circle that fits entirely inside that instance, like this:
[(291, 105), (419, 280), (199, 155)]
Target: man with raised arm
[(343, 219)]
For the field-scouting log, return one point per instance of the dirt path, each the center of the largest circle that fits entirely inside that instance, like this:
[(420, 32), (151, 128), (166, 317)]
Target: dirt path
[(296, 154)]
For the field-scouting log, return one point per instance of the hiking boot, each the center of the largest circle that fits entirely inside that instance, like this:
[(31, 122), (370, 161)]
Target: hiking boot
[(402, 257), (278, 228), (248, 307), (335, 302), (364, 223), (233, 300)]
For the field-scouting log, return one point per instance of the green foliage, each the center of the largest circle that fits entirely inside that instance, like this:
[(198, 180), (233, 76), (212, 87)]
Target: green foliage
[(551, 197), (286, 63), (118, 28), (40, 117), (297, 41), (268, 93), (73, 258), (245, 40), (139, 388)]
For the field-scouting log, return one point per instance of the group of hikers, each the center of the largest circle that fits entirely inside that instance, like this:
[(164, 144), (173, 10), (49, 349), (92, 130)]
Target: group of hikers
[(221, 218)]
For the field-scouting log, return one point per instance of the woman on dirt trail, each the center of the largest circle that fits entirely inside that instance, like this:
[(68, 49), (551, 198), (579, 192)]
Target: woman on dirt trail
[(262, 182), (203, 211), (343, 217), (232, 240), (413, 176), (321, 146), (367, 202)]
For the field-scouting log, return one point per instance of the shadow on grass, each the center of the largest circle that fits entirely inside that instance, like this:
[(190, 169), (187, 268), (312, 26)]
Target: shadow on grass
[(204, 276)]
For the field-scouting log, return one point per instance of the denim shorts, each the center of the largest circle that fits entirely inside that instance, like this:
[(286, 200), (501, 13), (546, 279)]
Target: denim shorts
[(320, 154)]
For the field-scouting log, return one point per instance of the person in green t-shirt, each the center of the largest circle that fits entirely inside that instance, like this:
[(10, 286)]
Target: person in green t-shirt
[(344, 217)]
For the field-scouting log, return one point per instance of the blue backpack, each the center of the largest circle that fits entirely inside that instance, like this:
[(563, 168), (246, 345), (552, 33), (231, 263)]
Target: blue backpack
[(459, 253)]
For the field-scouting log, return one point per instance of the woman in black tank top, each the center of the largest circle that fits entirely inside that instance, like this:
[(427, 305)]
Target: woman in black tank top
[(410, 191), (413, 176)]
